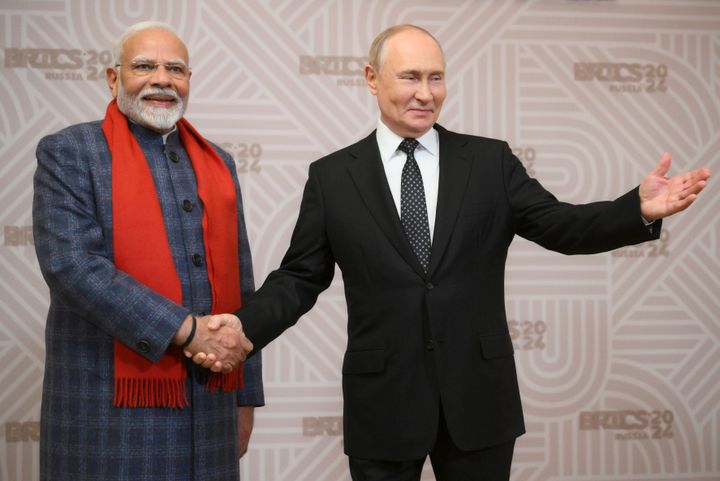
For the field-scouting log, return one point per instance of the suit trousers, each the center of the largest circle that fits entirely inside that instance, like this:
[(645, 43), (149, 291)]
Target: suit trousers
[(449, 463)]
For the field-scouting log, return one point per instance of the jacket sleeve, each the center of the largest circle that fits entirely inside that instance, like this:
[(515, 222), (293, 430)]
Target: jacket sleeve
[(75, 252), (572, 228), (306, 270)]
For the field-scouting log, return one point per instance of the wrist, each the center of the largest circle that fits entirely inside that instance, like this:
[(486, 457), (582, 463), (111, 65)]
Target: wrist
[(184, 331), (191, 335)]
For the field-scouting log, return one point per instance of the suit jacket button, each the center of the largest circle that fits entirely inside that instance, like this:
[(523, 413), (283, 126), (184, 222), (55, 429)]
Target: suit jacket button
[(187, 205), (143, 346), (430, 346), (174, 157), (197, 260), (429, 286)]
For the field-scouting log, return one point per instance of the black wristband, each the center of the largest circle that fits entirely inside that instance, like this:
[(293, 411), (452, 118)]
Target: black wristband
[(192, 333)]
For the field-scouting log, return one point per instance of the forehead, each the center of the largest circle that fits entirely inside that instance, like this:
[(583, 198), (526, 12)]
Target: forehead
[(413, 49), (159, 45)]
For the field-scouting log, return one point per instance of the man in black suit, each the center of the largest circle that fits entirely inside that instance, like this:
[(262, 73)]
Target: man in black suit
[(421, 239)]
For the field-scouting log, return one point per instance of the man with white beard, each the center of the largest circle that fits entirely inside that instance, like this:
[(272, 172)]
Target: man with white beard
[(133, 233)]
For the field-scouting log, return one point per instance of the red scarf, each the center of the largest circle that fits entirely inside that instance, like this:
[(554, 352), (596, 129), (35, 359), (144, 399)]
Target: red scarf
[(143, 251)]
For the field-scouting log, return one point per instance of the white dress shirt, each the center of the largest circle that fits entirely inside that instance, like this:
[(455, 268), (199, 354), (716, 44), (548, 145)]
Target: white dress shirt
[(427, 156)]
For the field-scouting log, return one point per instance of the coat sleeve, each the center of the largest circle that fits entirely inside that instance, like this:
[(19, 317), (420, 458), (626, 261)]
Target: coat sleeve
[(74, 251), (306, 270), (572, 228)]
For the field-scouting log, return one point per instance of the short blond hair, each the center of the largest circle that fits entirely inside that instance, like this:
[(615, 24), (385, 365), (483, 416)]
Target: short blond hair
[(376, 58)]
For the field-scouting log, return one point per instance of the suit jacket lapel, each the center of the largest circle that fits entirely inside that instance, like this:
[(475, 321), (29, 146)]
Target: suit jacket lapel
[(454, 175), (367, 172)]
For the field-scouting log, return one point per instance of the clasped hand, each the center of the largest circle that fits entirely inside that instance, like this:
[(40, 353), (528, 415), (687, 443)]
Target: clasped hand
[(219, 343)]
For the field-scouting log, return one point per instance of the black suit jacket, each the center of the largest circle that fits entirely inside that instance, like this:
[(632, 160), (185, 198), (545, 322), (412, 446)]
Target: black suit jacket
[(417, 340)]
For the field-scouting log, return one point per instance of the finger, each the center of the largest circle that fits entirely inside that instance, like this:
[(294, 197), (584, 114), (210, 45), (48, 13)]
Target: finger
[(209, 361), (241, 355), (218, 367), (209, 364), (199, 357), (246, 345), (698, 175), (695, 188), (687, 185), (663, 165)]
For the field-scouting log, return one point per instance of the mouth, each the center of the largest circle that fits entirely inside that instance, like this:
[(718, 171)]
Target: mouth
[(421, 111), (159, 100)]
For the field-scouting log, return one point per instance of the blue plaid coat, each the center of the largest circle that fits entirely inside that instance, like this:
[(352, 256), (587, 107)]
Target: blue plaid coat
[(83, 437)]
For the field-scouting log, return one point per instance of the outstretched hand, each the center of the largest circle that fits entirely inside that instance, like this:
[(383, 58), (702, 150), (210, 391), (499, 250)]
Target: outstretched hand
[(662, 196), (220, 343)]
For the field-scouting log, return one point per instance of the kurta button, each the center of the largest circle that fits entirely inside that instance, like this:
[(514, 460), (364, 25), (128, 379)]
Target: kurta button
[(430, 345), (429, 286), (174, 157), (197, 260), (187, 205), (143, 346)]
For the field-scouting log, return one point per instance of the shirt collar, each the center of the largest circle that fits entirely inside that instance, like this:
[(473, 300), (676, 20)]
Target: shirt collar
[(388, 141)]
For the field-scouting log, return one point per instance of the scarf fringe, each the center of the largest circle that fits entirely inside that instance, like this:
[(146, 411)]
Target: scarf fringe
[(226, 382), (150, 393)]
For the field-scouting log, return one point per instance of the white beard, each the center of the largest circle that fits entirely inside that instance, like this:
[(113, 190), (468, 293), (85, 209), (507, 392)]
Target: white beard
[(156, 118)]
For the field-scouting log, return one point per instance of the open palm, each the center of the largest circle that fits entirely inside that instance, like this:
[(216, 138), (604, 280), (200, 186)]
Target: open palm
[(662, 196)]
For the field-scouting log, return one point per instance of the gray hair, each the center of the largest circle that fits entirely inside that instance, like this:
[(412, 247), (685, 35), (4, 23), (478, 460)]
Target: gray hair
[(377, 49), (132, 30)]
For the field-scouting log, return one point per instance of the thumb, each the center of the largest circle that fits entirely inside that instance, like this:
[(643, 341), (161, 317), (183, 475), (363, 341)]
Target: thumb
[(215, 322), (663, 165), (246, 344)]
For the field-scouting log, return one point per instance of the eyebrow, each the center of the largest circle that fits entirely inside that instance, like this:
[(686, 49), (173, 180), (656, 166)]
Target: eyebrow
[(419, 73), (142, 58)]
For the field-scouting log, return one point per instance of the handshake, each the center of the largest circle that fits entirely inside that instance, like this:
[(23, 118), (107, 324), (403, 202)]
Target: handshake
[(217, 342)]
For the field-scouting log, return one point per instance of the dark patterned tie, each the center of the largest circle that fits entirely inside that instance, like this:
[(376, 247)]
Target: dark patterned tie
[(413, 209)]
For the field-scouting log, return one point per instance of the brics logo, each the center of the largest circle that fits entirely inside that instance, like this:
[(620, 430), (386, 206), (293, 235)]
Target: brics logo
[(18, 235), (47, 58), (332, 65), (632, 423), (323, 426), (351, 69), (19, 432), (624, 77), (61, 63)]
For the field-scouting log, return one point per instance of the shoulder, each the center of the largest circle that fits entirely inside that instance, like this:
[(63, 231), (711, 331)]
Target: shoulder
[(87, 135), (224, 154), (364, 148), (476, 141)]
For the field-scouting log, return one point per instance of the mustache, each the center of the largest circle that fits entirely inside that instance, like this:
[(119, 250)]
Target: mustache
[(168, 92)]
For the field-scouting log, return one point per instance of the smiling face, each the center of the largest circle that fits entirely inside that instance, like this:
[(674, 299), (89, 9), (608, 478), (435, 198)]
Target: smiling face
[(156, 100), (410, 83)]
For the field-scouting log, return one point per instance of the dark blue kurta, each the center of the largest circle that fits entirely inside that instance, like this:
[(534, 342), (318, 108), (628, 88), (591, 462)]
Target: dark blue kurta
[(83, 437)]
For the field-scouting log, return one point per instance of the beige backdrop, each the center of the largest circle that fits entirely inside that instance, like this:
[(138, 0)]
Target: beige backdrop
[(618, 354)]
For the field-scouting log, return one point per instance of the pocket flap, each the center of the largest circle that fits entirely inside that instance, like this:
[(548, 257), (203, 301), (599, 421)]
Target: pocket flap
[(358, 362), (496, 346)]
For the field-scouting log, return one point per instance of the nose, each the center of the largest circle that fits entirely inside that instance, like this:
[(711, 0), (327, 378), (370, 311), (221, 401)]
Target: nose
[(160, 76), (423, 93)]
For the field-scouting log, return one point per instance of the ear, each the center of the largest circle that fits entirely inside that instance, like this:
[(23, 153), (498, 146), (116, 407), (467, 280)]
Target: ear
[(111, 77), (371, 79)]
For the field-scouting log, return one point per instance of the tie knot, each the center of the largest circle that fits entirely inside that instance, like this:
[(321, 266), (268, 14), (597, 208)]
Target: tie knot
[(408, 146)]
